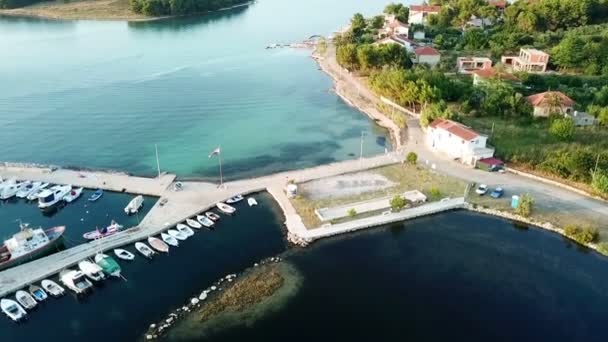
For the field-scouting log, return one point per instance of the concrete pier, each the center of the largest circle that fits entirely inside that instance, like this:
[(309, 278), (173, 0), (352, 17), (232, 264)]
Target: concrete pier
[(195, 198)]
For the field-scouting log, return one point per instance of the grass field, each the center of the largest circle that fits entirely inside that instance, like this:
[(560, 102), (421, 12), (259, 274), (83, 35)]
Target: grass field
[(407, 177), (78, 9)]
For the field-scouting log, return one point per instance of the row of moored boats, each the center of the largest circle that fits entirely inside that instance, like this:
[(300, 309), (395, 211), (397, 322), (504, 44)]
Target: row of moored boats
[(103, 266)]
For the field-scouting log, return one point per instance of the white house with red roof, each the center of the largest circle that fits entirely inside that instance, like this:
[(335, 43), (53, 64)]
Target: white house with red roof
[(394, 26), (404, 41), (427, 55), (420, 13), (458, 141)]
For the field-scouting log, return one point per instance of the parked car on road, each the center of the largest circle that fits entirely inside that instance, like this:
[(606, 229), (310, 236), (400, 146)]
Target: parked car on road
[(497, 193), (481, 190)]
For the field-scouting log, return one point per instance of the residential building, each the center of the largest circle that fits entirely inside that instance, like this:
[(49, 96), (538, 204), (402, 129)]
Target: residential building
[(394, 26), (458, 141), (401, 40), (529, 60), (420, 13), (482, 75), (466, 65), (581, 118), (419, 35), (551, 102), (427, 55)]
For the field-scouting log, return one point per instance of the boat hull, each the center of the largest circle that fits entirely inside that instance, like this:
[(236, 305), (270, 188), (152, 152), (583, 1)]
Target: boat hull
[(56, 242)]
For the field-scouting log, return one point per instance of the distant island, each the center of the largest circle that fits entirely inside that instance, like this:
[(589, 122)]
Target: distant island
[(134, 10)]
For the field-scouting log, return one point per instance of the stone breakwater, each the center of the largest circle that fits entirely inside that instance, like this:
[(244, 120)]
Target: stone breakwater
[(159, 329)]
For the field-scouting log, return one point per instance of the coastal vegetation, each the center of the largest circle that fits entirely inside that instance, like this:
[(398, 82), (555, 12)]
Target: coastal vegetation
[(397, 203), (526, 203), (582, 235), (180, 7)]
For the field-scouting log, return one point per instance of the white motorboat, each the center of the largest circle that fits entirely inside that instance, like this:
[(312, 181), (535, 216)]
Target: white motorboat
[(37, 292), (135, 204), (251, 201), (52, 288), (91, 270), (123, 254), (170, 240), (73, 195), (75, 281), (158, 244), (225, 208), (205, 221), (184, 229), (192, 223), (28, 188), (10, 189), (177, 234), (146, 251), (13, 310), (235, 199), (49, 197), (34, 194), (26, 300), (212, 216)]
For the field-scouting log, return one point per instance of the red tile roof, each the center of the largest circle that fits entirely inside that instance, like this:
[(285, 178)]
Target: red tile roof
[(492, 73), (539, 99), (455, 128), (491, 161), (498, 3), (425, 8), (426, 51)]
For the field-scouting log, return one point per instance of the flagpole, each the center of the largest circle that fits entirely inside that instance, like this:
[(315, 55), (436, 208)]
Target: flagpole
[(219, 155)]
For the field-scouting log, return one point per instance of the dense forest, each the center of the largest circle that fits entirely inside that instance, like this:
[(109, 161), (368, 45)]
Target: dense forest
[(177, 7)]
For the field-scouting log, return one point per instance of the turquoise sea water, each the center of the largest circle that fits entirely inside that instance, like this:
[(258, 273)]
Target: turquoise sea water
[(101, 94)]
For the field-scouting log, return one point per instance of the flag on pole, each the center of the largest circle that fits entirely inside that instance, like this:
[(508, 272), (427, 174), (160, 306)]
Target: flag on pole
[(214, 152)]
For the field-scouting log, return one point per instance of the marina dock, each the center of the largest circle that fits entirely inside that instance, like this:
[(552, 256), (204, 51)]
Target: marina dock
[(195, 198)]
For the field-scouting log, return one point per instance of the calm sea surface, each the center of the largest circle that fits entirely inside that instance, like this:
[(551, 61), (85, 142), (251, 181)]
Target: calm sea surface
[(101, 94)]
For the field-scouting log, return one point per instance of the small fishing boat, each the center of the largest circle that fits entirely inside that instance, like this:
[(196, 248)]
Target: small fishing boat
[(182, 228), (205, 221), (13, 310), (75, 281), (225, 208), (73, 195), (158, 244), (28, 244), (96, 195), (108, 264), (251, 201), (212, 216), (91, 270), (113, 228), (235, 199), (124, 254), (134, 206), (146, 251), (170, 240), (25, 299), (34, 194), (177, 234), (192, 223), (52, 288), (37, 292)]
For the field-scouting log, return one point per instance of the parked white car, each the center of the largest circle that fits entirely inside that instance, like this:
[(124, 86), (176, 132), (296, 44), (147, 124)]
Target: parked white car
[(482, 189)]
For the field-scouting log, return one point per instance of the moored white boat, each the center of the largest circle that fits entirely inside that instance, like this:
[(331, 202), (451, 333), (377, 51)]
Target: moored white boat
[(170, 240), (158, 244), (10, 189), (123, 254), (182, 228), (205, 221), (73, 195), (52, 288), (225, 208), (135, 204), (49, 197), (25, 299), (34, 194), (91, 270), (144, 250), (251, 201), (27, 188), (192, 223), (37, 292), (177, 234), (235, 199), (112, 229), (75, 281), (12, 309), (212, 216)]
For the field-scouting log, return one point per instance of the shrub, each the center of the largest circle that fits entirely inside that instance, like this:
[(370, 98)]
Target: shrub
[(397, 203), (571, 230), (435, 193), (563, 128), (352, 212), (412, 158), (603, 248), (526, 202), (581, 235), (599, 181)]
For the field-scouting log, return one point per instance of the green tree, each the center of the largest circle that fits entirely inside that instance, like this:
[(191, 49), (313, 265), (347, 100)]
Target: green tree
[(377, 22), (563, 128), (397, 203), (412, 158), (352, 212), (526, 204), (400, 11), (435, 111), (346, 55), (357, 25), (599, 181)]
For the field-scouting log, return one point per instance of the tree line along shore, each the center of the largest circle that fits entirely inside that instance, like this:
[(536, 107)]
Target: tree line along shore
[(390, 53), (113, 9)]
